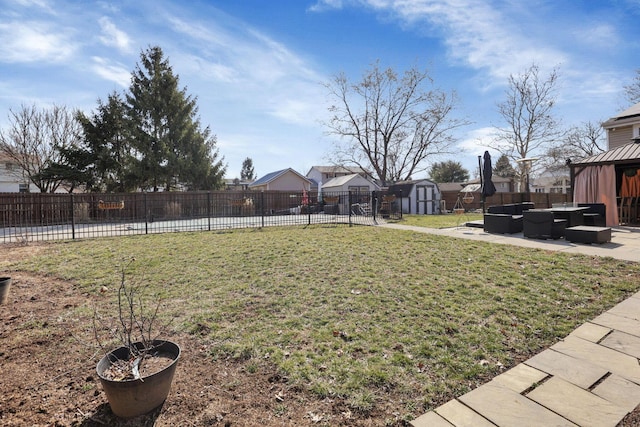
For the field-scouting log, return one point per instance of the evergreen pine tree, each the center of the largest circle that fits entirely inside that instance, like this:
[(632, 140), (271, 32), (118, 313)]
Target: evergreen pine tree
[(107, 145), (247, 173), (503, 168), (171, 149)]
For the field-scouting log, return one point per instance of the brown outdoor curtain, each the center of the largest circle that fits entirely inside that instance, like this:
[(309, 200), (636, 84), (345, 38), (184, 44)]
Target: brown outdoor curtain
[(630, 185), (597, 184)]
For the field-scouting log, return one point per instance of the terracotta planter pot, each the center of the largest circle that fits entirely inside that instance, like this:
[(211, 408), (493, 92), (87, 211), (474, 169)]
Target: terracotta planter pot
[(131, 398), (5, 284)]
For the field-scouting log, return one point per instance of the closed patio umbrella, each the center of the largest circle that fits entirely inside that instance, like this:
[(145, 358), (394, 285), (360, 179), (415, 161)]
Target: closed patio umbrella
[(488, 188)]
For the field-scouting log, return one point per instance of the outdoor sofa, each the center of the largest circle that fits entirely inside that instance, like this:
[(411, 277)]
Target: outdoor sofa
[(505, 219)]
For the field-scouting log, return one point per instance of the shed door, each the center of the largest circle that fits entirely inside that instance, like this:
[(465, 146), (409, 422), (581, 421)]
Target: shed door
[(425, 199)]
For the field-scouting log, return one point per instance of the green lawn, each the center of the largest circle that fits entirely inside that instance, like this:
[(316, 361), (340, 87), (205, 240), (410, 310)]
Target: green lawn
[(357, 313)]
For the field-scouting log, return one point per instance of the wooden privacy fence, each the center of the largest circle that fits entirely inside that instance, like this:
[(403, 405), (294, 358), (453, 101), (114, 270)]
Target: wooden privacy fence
[(540, 200)]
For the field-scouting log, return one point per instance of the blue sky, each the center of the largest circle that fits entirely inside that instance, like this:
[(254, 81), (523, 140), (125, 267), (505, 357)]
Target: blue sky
[(257, 66)]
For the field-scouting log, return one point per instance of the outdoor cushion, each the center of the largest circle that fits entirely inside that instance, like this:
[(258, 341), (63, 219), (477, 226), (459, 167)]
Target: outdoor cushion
[(511, 208), (496, 209), (502, 223)]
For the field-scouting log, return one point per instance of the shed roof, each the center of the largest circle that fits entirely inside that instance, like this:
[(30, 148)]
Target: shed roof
[(471, 188), (628, 153), (340, 169), (339, 181), (400, 188)]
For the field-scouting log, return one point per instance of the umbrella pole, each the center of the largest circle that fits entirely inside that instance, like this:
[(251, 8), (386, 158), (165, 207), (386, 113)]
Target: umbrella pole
[(481, 174)]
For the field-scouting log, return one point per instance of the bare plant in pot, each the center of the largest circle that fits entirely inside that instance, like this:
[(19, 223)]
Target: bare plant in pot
[(136, 376)]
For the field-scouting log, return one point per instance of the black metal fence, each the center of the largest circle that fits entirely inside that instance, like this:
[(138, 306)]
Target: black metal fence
[(37, 216)]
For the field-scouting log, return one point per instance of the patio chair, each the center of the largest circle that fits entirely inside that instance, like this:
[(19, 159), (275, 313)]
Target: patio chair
[(596, 215), (542, 225), (625, 210)]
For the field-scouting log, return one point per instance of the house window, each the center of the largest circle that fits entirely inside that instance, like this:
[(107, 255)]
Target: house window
[(357, 189), (23, 188), (8, 166)]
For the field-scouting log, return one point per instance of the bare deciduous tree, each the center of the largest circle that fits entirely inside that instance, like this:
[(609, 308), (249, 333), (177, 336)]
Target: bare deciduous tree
[(579, 142), (34, 140), (632, 90), (390, 124), (528, 113)]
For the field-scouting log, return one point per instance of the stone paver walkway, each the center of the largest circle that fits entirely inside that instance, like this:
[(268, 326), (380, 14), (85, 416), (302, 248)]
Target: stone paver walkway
[(591, 378)]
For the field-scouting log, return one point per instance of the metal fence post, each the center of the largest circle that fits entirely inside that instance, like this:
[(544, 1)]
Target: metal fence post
[(209, 210), (374, 203), (308, 209), (73, 219), (146, 214), (262, 205), (349, 207)]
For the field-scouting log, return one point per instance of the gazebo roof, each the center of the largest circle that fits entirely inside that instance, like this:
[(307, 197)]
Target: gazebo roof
[(628, 153)]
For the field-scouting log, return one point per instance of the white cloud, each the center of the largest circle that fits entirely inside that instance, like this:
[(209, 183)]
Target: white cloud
[(41, 4), (598, 35), (477, 139), (116, 73), (323, 5), (112, 36), (478, 35), (34, 42), (252, 69)]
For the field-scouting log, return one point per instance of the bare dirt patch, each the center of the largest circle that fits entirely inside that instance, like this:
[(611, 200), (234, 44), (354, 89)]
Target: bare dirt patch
[(48, 377)]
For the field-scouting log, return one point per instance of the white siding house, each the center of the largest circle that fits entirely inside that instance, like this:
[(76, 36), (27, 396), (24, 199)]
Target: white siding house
[(353, 182), (12, 179), (322, 174), (623, 128)]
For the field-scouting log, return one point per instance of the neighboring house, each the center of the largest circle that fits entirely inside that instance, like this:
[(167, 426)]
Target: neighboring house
[(503, 185), (12, 179), (421, 197), (282, 180), (623, 128), (322, 174), (551, 184), (236, 184)]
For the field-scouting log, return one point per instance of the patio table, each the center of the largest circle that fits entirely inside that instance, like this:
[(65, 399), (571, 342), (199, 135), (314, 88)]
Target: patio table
[(573, 214)]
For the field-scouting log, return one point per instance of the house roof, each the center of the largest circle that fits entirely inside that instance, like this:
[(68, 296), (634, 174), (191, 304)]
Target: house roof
[(342, 180), (629, 116), (340, 169), (628, 153), (274, 175)]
